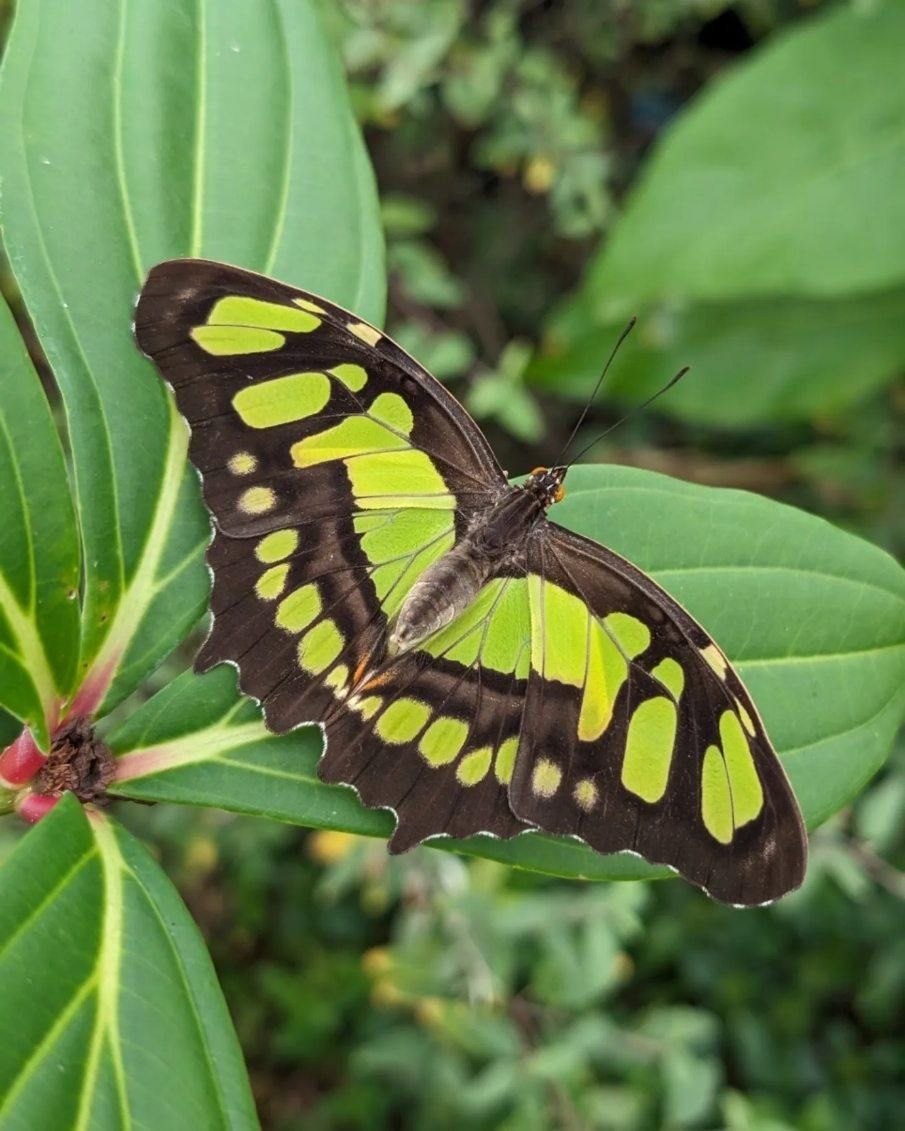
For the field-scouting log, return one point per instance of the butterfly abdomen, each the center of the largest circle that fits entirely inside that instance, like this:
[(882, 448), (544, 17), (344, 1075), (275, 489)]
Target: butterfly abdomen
[(450, 584), (444, 590)]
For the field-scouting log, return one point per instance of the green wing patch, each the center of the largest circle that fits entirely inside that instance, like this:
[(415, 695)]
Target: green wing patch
[(494, 631)]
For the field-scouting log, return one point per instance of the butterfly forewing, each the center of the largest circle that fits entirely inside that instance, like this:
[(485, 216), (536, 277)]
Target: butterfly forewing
[(336, 470)]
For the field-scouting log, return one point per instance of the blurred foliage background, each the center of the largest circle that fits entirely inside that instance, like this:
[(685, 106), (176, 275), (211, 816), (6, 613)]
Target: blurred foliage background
[(544, 172)]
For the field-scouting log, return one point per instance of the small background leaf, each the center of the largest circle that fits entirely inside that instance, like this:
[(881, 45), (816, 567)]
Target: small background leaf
[(39, 550), (111, 1015)]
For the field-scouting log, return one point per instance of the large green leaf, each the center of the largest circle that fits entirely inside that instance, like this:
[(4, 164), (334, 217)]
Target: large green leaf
[(813, 617), (39, 550), (110, 1012), (784, 178), (751, 361), (129, 133)]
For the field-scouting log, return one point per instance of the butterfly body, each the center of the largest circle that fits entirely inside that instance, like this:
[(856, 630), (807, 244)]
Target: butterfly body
[(493, 543), (476, 667)]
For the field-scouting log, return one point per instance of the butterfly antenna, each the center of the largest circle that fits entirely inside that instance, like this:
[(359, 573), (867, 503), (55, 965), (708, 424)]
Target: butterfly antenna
[(632, 412), (587, 408)]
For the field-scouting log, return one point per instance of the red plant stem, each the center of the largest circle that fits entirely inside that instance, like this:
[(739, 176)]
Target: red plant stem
[(20, 761), (33, 806), (90, 695)]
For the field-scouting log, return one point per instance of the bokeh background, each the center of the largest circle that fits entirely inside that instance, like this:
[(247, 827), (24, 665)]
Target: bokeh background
[(546, 170)]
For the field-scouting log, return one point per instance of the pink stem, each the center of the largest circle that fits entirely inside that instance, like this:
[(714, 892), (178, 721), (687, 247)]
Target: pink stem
[(33, 806), (91, 694), (21, 760)]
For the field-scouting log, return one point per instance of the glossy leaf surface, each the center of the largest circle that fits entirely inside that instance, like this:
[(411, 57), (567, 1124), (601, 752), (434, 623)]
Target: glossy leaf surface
[(110, 1011), (39, 550)]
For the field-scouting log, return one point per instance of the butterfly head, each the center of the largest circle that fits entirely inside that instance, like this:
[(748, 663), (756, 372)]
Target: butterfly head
[(546, 484)]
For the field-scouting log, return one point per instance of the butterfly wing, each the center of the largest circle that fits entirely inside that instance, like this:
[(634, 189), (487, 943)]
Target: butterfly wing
[(572, 695), (639, 735), (433, 733), (335, 467)]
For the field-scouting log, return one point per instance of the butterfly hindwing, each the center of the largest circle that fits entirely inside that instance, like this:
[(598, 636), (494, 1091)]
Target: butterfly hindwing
[(434, 739), (639, 735)]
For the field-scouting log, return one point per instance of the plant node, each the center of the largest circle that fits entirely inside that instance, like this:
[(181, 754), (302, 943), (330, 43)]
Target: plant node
[(78, 762)]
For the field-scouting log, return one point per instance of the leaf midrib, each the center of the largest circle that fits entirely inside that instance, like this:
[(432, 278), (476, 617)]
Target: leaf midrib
[(817, 657), (287, 149), (106, 977), (118, 153)]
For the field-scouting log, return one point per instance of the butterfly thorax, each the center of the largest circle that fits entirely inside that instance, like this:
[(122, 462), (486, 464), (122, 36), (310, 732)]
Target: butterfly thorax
[(493, 539)]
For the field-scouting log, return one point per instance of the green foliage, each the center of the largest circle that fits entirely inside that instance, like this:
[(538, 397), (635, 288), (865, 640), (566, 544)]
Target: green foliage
[(437, 991), (758, 360), (127, 1023), (522, 102), (763, 242), (39, 552), (767, 185), (94, 194), (472, 996), (231, 190)]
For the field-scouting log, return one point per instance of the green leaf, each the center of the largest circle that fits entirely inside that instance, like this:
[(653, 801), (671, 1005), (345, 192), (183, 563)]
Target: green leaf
[(784, 178), (445, 353), (197, 742), (134, 132), (10, 728), (39, 549), (405, 216), (110, 1012), (751, 361), (500, 395), (424, 274), (813, 617), (763, 252)]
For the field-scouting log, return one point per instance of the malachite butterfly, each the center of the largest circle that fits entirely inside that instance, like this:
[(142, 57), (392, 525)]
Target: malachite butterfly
[(475, 667)]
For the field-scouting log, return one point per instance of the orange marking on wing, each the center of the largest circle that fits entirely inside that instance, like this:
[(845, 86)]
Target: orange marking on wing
[(361, 669), (377, 681)]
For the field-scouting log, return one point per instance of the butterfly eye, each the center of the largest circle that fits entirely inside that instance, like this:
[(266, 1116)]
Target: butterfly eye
[(538, 470), (559, 494)]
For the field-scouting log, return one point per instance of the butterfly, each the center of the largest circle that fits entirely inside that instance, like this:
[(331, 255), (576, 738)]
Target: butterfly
[(474, 666)]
